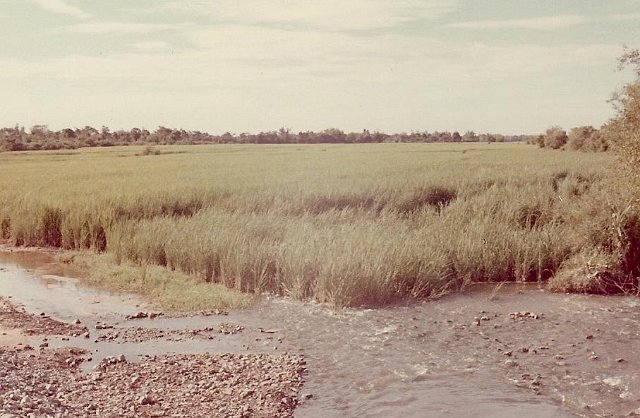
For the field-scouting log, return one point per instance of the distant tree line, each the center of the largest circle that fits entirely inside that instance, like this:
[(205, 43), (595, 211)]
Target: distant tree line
[(582, 138), (39, 137)]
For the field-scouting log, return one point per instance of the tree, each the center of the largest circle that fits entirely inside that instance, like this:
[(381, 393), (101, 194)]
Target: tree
[(39, 130), (623, 131), (580, 138), (555, 137), (68, 133), (470, 136)]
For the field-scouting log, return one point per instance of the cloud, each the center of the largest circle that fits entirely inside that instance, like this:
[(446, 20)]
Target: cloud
[(544, 22), (60, 6), (325, 15), (108, 28), (151, 46), (231, 57), (621, 17), (255, 78), (540, 23)]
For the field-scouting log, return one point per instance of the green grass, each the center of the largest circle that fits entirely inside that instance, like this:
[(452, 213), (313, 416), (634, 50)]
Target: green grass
[(172, 291), (341, 224)]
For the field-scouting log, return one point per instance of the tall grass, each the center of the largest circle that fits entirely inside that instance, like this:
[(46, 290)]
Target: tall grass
[(343, 224)]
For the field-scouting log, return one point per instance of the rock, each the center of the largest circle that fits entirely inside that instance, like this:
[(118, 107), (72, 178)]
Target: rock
[(146, 400), (138, 315), (77, 322)]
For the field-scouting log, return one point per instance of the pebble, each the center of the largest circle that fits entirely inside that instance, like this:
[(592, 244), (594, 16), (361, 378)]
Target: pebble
[(146, 400), (230, 383)]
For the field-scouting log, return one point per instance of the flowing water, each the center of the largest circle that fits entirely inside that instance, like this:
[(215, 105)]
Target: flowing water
[(463, 355)]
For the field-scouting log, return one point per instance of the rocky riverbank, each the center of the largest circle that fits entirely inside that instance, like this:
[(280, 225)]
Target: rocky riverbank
[(44, 382)]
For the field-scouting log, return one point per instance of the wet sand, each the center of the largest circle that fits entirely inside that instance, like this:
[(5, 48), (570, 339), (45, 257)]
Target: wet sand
[(517, 351)]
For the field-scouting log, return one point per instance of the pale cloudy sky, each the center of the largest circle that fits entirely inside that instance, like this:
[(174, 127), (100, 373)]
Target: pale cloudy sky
[(508, 66)]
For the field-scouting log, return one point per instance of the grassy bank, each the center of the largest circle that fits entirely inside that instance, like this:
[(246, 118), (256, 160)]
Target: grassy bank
[(172, 291), (343, 224)]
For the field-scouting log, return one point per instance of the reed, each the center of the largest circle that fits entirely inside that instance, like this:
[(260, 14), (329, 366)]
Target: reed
[(346, 225)]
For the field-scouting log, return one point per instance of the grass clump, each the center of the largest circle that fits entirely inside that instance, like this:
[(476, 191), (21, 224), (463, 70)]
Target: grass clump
[(594, 272), (150, 150), (435, 196)]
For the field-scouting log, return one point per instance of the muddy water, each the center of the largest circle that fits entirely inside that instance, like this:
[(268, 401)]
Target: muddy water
[(463, 355)]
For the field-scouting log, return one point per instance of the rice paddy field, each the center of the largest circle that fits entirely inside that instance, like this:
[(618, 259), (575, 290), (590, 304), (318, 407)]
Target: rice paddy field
[(347, 225)]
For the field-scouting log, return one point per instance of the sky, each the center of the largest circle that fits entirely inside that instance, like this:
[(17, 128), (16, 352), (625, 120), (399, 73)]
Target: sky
[(500, 66)]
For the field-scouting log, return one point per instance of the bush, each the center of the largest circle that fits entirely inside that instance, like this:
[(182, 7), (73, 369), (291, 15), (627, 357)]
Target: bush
[(555, 138)]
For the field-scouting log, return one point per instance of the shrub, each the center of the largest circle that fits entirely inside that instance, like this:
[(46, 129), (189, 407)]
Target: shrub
[(555, 138)]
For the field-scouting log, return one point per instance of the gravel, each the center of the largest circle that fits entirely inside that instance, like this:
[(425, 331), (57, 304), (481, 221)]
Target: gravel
[(49, 382)]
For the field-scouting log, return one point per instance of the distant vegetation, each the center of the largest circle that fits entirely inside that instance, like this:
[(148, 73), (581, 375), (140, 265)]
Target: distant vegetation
[(39, 137), (582, 138)]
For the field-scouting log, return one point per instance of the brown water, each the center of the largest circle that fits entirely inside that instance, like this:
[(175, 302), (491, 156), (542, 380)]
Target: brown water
[(425, 360)]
